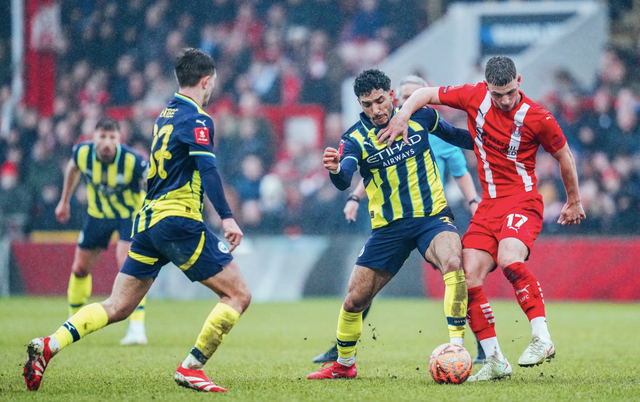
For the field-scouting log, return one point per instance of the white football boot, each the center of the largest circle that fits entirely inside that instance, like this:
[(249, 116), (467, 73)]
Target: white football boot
[(493, 369), (537, 352)]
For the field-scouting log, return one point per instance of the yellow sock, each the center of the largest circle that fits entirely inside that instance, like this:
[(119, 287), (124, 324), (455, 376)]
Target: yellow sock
[(89, 319), (455, 302), (139, 313), (78, 292), (222, 318), (349, 331)]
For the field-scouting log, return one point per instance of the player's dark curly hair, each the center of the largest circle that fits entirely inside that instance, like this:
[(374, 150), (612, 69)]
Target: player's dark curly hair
[(191, 65), (108, 124), (370, 80), (500, 71)]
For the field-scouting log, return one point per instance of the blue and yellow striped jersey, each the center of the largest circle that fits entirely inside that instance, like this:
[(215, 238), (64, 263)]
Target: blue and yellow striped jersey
[(174, 188), (402, 181), (113, 191)]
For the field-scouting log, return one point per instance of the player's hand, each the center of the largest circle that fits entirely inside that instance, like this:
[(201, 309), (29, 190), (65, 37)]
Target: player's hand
[(398, 125), (232, 233), (63, 212), (572, 214), (473, 207), (351, 210), (331, 159)]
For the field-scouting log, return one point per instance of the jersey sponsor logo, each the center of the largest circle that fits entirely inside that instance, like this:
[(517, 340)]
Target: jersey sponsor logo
[(491, 142), (202, 135), (223, 248), (201, 122), (396, 153)]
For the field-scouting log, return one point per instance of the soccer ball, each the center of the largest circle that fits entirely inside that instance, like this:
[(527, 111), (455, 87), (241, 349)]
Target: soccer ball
[(450, 364)]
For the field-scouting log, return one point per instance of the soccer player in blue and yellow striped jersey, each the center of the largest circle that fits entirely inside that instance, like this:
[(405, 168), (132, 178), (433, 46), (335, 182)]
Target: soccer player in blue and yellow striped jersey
[(169, 228), (407, 207), (115, 177)]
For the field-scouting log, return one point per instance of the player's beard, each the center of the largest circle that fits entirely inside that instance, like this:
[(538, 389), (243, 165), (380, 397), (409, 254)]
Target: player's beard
[(104, 159)]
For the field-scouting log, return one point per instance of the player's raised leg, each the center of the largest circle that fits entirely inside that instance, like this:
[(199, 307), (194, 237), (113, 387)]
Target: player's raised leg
[(136, 333), (445, 252), (364, 284), (477, 265), (511, 254), (235, 297), (125, 296), (79, 289)]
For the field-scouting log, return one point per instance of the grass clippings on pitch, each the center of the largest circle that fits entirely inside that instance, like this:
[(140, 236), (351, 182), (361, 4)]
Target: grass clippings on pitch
[(268, 354)]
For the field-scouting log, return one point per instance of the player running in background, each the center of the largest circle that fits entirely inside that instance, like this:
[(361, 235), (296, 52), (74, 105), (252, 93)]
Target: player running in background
[(509, 128), (446, 155), (407, 209), (115, 177), (169, 228)]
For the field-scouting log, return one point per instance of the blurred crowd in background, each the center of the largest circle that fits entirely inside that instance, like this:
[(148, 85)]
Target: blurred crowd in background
[(118, 54)]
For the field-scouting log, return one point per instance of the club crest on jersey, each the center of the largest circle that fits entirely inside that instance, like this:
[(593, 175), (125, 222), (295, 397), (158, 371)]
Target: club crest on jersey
[(202, 135), (517, 130)]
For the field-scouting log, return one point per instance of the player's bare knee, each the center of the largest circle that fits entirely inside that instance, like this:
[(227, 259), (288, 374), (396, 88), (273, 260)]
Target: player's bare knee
[(506, 259), (473, 276), (244, 298), (117, 311), (353, 305), (80, 270), (451, 264)]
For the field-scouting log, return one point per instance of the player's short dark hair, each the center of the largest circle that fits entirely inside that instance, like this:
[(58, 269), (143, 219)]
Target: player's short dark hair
[(370, 80), (500, 71), (108, 124), (191, 65)]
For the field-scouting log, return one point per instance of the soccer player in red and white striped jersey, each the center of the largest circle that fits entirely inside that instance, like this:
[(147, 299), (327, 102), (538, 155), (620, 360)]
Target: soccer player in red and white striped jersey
[(507, 128)]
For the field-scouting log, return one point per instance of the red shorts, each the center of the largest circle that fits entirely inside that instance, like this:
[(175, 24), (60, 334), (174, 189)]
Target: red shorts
[(518, 216)]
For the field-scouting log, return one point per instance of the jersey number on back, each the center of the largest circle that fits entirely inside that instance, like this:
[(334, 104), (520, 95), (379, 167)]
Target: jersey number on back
[(161, 154)]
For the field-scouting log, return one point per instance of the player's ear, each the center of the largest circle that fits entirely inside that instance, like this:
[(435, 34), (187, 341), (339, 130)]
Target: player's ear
[(519, 80), (204, 81), (486, 84)]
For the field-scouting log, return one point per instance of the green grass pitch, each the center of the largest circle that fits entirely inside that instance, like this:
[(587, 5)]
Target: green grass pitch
[(268, 354)]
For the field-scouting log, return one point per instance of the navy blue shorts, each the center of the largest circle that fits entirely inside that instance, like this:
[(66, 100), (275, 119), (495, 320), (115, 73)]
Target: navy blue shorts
[(389, 247), (187, 243), (97, 232)]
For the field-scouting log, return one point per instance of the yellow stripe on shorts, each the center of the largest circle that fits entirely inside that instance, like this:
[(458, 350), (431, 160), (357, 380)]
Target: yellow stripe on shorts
[(142, 258), (195, 255)]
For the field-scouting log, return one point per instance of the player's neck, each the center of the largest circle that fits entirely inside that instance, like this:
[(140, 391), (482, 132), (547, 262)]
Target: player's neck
[(195, 94)]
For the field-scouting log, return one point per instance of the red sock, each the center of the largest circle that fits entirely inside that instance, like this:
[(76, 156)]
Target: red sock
[(527, 288), (480, 315)]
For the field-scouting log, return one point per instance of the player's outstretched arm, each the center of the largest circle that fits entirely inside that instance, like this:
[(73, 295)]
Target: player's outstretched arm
[(453, 135), (212, 184), (353, 203), (572, 212), (71, 177), (341, 173), (399, 123)]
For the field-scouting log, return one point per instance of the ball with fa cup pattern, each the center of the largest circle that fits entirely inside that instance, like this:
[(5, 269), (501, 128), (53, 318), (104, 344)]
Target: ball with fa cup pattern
[(450, 364)]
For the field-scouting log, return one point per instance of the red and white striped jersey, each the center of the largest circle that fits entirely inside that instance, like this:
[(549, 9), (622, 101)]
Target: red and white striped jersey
[(505, 142)]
